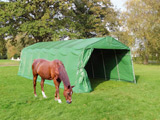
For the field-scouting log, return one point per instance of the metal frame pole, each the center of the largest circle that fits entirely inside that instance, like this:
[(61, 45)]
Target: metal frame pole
[(133, 69), (117, 64), (103, 65), (92, 68)]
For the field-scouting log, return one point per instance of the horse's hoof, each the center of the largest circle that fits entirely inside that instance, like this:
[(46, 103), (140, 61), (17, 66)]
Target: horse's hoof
[(59, 101), (44, 96), (35, 96)]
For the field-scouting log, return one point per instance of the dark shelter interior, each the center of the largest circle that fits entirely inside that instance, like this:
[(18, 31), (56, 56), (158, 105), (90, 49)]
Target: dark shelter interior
[(104, 63)]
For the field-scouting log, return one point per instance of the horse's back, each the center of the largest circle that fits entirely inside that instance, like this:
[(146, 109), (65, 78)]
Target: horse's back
[(37, 63), (46, 69)]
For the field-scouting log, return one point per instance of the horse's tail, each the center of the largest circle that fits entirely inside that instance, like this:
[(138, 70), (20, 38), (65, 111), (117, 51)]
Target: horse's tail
[(34, 66), (33, 63)]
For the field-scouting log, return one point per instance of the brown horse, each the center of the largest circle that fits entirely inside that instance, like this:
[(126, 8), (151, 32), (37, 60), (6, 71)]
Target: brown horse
[(52, 70)]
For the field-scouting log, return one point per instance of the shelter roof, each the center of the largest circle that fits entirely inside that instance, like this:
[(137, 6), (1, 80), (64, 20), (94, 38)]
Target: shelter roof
[(98, 43)]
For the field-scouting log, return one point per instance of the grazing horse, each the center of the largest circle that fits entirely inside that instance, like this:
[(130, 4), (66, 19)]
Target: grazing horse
[(52, 70)]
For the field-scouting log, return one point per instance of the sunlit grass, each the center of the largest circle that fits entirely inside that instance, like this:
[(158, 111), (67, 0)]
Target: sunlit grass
[(8, 62), (110, 100)]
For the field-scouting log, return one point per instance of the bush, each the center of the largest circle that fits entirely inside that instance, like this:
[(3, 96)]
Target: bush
[(15, 56), (3, 56), (137, 60)]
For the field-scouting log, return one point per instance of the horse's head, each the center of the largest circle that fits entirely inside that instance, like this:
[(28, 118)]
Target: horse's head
[(68, 94)]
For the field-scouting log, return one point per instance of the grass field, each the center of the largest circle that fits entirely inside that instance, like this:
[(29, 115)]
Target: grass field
[(8, 62), (110, 100)]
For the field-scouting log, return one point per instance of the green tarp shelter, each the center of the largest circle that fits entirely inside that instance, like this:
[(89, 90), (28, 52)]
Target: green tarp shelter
[(84, 59)]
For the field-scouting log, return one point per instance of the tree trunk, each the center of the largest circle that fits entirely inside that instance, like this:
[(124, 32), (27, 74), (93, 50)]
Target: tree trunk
[(145, 59)]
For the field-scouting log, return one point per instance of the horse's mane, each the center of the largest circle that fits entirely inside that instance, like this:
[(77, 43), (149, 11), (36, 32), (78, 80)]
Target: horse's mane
[(63, 75)]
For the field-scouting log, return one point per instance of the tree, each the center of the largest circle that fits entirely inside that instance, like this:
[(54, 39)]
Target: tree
[(45, 20), (3, 50), (122, 32), (49, 20), (11, 50), (40, 20), (94, 17), (142, 20)]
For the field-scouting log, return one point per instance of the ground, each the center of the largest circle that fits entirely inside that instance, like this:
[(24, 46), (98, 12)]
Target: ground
[(109, 100)]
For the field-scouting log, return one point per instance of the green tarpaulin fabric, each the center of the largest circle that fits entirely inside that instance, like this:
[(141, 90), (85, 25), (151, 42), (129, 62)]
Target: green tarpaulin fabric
[(84, 59)]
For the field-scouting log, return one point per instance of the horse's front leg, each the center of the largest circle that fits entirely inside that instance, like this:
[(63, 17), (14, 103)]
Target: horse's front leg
[(57, 83), (42, 87)]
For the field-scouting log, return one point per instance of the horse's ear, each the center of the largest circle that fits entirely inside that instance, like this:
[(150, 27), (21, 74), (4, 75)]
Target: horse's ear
[(72, 86)]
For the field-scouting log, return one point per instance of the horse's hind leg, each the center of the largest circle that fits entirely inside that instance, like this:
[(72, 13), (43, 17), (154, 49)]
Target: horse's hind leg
[(34, 84), (42, 87)]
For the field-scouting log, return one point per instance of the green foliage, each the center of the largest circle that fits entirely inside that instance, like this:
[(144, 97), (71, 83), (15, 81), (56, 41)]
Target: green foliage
[(11, 50), (16, 56), (3, 49), (34, 18), (25, 22), (141, 27), (3, 57), (109, 100), (94, 18), (46, 20)]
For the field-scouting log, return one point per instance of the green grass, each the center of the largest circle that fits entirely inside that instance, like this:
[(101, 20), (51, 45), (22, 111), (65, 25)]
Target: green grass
[(8, 63), (110, 100)]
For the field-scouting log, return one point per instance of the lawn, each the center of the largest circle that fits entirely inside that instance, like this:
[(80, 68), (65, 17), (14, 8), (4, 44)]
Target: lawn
[(109, 100), (9, 62)]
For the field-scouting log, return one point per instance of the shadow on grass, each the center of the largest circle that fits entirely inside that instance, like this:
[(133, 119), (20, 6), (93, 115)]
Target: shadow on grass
[(96, 82), (137, 78), (153, 64)]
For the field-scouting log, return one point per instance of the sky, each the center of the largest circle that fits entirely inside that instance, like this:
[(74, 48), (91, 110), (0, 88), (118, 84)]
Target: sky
[(4, 0), (119, 4)]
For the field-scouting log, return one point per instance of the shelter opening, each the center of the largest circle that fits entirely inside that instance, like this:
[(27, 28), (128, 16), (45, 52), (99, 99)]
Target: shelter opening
[(106, 64)]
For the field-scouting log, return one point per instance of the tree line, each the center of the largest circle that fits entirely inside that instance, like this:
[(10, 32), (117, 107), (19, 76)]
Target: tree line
[(25, 22), (140, 28)]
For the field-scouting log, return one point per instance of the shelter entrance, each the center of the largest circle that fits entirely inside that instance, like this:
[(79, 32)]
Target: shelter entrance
[(104, 64)]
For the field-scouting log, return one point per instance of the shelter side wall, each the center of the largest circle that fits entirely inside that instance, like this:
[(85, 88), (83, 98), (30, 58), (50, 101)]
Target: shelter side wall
[(68, 58), (110, 64), (27, 59), (82, 83), (125, 65), (25, 68), (95, 65)]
